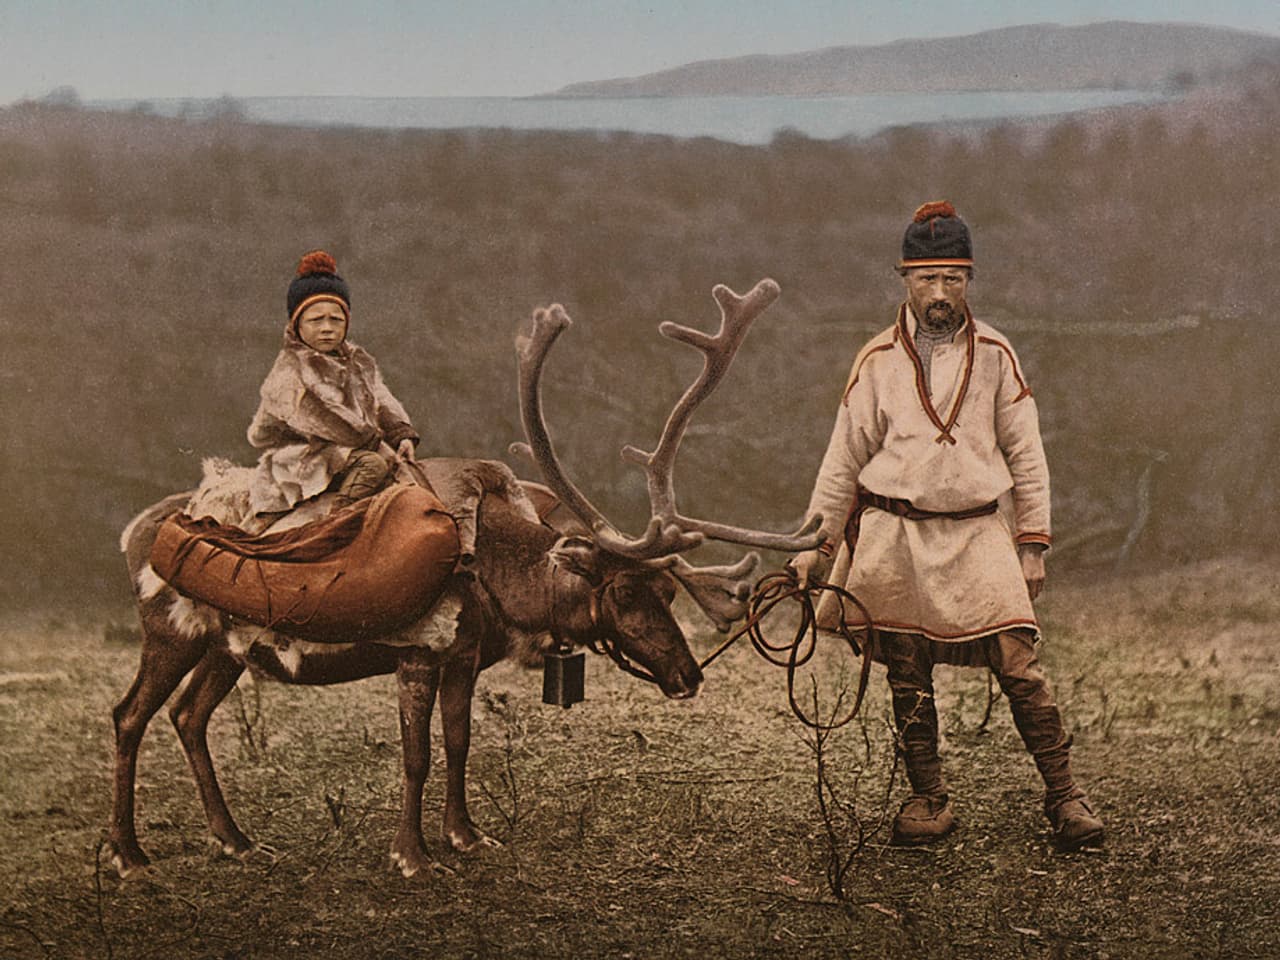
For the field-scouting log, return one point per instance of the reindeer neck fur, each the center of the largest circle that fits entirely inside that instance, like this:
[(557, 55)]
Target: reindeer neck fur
[(521, 582)]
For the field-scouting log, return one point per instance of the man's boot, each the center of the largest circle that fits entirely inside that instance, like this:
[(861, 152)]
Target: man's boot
[(1075, 825), (925, 816), (922, 819)]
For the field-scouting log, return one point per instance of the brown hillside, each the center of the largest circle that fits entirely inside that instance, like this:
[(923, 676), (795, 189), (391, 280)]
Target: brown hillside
[(1131, 258)]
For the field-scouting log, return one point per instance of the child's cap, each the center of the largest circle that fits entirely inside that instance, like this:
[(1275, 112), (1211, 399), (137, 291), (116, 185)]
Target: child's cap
[(317, 279)]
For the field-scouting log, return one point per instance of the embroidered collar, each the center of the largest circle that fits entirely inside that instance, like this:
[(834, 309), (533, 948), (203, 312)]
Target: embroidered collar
[(904, 334)]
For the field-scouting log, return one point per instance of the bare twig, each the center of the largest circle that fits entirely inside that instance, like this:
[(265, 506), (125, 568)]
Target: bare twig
[(336, 805), (253, 738), (513, 731), (166, 946), (1108, 718), (344, 838), (839, 861), (1143, 513), (672, 777), (496, 803), (22, 928), (993, 694), (97, 887), (887, 802)]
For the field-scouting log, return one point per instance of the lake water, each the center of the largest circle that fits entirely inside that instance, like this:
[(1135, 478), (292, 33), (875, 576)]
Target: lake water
[(746, 120)]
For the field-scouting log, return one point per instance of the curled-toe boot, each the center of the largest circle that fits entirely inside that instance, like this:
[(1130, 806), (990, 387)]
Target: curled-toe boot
[(1074, 822), (923, 818)]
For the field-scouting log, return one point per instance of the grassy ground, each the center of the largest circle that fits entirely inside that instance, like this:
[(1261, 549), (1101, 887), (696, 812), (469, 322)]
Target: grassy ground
[(639, 828)]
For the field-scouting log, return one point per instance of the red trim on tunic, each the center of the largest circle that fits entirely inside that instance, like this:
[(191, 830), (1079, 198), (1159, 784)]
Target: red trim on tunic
[(1013, 362), (1043, 538), (857, 371), (945, 637), (968, 372), (944, 435)]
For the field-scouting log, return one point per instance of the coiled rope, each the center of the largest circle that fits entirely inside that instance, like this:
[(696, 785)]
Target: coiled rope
[(775, 588)]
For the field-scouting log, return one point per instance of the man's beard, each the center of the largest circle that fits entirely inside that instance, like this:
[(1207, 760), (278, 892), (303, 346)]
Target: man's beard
[(941, 317)]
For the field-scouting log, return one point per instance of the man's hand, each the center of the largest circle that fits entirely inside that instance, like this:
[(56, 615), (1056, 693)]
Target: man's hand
[(1032, 557), (405, 450), (810, 566)]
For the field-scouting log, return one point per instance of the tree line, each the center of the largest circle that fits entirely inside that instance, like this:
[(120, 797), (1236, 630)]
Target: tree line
[(1128, 253)]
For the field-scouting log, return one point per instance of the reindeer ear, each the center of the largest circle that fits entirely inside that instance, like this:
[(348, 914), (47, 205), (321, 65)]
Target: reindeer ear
[(578, 555)]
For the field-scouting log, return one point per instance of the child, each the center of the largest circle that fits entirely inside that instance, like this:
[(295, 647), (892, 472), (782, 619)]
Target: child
[(326, 421)]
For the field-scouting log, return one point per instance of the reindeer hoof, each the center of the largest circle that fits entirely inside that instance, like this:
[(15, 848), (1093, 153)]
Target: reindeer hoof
[(130, 871), (259, 851), (470, 841), (126, 859), (409, 866), (240, 848)]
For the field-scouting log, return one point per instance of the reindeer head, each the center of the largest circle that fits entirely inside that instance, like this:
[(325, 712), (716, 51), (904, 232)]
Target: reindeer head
[(620, 607), (631, 571)]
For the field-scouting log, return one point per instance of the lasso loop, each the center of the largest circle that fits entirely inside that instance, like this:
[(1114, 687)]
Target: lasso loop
[(775, 588)]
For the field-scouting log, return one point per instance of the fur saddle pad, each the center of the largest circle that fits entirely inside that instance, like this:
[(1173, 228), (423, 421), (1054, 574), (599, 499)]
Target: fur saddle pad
[(357, 574)]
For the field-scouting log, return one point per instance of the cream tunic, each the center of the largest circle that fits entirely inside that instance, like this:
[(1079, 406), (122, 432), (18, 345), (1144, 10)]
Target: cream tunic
[(969, 437)]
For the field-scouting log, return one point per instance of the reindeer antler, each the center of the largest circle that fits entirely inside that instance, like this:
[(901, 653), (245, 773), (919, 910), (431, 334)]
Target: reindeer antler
[(736, 316), (660, 538), (721, 592), (668, 532)]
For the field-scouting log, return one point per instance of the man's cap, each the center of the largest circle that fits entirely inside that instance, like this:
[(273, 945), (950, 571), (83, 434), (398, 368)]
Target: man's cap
[(936, 237)]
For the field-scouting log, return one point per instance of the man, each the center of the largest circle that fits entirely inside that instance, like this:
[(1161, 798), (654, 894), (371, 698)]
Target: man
[(936, 432)]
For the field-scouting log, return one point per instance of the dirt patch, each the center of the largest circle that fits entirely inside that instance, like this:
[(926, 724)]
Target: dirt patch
[(636, 827)]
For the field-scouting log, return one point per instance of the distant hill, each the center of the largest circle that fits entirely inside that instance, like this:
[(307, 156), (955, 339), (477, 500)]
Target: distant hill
[(1111, 55)]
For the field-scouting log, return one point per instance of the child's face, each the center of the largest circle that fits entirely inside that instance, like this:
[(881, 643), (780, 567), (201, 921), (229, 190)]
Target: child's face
[(323, 326)]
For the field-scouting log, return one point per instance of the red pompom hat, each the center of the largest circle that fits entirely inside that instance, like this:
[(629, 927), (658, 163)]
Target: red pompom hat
[(317, 280), (936, 237)]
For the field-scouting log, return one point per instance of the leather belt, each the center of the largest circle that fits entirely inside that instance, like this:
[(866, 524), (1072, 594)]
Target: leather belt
[(865, 499), (905, 508)]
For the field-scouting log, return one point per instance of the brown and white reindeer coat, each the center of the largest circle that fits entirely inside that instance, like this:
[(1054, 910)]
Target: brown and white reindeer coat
[(524, 581)]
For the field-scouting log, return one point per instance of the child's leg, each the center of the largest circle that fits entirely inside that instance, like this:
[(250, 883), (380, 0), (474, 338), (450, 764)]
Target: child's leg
[(365, 473)]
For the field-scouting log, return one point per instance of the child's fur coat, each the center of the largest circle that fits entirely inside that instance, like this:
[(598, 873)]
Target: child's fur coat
[(315, 409)]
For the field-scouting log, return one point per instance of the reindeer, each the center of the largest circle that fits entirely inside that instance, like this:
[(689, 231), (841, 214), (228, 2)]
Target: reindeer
[(527, 590)]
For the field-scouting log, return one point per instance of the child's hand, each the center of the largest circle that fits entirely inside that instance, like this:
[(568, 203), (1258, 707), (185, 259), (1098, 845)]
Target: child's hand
[(405, 450)]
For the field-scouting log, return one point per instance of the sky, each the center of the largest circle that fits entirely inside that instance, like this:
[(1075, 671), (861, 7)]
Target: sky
[(139, 49)]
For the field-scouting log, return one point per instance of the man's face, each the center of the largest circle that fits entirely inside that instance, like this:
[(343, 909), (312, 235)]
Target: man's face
[(323, 326), (936, 296)]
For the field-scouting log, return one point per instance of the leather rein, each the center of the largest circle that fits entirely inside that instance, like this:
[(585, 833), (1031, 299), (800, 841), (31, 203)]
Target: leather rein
[(769, 591), (775, 588)]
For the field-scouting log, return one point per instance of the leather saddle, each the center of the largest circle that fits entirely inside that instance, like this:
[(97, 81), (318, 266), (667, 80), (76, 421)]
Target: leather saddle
[(357, 574)]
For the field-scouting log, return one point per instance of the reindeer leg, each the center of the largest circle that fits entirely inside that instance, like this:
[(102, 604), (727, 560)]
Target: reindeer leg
[(418, 680), (167, 656), (457, 684), (212, 680)]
